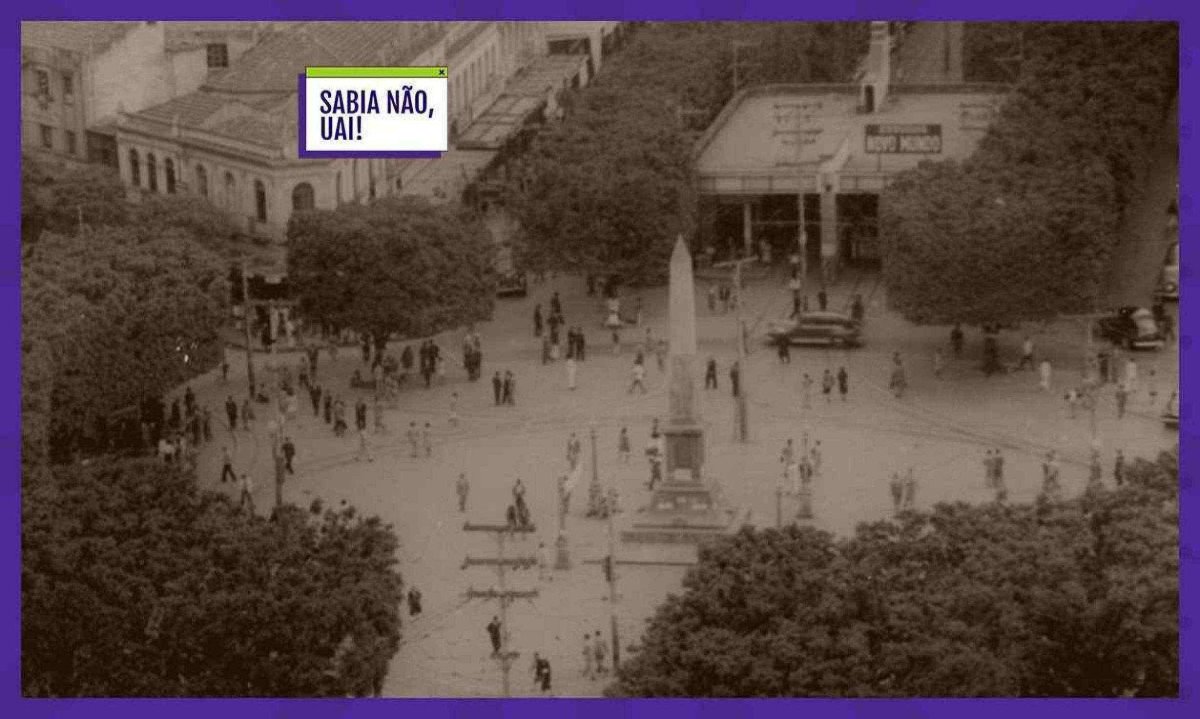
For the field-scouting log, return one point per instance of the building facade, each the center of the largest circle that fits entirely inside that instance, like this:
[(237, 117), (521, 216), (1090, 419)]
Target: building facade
[(77, 77), (234, 140)]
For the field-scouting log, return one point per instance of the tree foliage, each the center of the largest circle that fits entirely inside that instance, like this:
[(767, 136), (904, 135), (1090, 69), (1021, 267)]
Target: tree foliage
[(609, 189), (395, 266), (136, 584), (1078, 598), (1025, 228), (107, 318)]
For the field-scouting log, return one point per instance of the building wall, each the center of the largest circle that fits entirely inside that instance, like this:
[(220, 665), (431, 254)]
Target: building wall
[(133, 73), (59, 111)]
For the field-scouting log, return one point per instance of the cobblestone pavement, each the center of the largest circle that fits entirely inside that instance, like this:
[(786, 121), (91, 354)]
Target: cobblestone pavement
[(940, 429)]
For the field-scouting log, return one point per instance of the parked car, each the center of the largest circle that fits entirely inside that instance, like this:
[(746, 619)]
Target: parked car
[(513, 284), (833, 328), (1132, 328), (1168, 283)]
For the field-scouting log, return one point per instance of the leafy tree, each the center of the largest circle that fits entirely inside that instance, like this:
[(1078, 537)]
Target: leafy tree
[(395, 266), (1077, 598), (609, 189), (108, 318), (134, 583), (1025, 228), (56, 200)]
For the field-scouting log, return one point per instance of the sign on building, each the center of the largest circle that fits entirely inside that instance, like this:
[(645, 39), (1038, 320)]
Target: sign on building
[(904, 139)]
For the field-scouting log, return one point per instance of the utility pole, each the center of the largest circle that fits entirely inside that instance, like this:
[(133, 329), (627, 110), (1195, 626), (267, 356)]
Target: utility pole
[(562, 559), (246, 322), (802, 113), (505, 596), (741, 422), (611, 572)]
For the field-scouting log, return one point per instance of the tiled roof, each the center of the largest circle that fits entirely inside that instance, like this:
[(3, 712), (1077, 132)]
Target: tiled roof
[(259, 120), (273, 64), (82, 37)]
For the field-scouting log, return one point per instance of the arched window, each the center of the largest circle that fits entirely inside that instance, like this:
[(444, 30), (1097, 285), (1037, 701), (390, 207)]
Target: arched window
[(135, 168), (169, 168), (152, 172), (230, 191), (303, 197), (201, 181), (260, 201)]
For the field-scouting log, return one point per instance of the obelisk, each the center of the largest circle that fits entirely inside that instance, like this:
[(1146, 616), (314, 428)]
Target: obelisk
[(686, 507), (684, 434)]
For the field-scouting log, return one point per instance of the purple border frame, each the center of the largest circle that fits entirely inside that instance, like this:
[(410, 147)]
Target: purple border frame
[(302, 138), (1189, 667)]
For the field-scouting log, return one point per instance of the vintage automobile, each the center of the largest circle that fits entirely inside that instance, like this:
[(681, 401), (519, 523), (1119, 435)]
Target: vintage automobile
[(1133, 328), (512, 284), (831, 328)]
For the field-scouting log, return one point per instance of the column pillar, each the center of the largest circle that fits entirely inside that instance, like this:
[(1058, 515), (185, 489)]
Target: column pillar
[(829, 226), (748, 227)]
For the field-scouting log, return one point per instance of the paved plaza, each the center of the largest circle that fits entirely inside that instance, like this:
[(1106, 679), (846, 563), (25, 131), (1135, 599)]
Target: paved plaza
[(940, 429)]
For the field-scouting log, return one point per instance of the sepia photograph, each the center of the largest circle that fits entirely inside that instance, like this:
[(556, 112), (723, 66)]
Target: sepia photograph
[(685, 359)]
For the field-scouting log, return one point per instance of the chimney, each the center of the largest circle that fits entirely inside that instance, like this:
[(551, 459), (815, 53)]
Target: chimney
[(879, 68)]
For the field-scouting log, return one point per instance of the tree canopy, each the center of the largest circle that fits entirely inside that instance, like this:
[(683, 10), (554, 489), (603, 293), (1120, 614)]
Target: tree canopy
[(1076, 598), (108, 318), (134, 583), (398, 265), (1025, 228), (608, 189)]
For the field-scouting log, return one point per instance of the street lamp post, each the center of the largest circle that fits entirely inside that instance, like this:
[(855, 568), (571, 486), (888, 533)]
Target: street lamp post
[(742, 422), (562, 559)]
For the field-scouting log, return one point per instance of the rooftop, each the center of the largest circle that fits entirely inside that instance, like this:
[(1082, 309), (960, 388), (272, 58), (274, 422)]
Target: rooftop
[(757, 133), (190, 35), (81, 37), (280, 57), (524, 94)]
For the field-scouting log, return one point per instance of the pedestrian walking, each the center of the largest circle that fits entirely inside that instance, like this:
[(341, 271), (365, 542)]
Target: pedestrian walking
[(414, 602), (510, 388), (1122, 400), (896, 485), (206, 423), (956, 340), (360, 415), (226, 466), (1050, 484), (572, 370), (1119, 468), (493, 630), (328, 407), (806, 385), (224, 371), (543, 560), (843, 380), (414, 438), (710, 374), (289, 454), (735, 376), (785, 350), (601, 651), (246, 492), (910, 490), (788, 454), (555, 305), (541, 672), (623, 446), (1072, 397), (1095, 472), (588, 657), (518, 491), (462, 488), (247, 414), (939, 363), (1044, 370), (231, 412), (1026, 354), (314, 396), (427, 440), (660, 355), (654, 456), (815, 458), (639, 378), (616, 342), (827, 385), (537, 321), (898, 381), (364, 447), (497, 385)]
